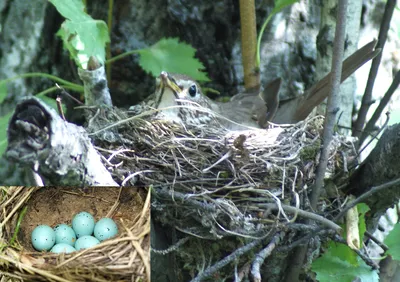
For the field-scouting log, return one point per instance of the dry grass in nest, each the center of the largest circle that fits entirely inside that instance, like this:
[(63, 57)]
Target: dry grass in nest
[(123, 258), (209, 182)]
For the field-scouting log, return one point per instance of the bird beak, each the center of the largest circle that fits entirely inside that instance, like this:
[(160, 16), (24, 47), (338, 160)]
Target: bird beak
[(168, 82)]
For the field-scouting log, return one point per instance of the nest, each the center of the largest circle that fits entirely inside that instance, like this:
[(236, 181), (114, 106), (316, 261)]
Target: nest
[(210, 182), (123, 258)]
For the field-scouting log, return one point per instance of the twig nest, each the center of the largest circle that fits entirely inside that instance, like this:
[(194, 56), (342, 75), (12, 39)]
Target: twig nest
[(216, 180)]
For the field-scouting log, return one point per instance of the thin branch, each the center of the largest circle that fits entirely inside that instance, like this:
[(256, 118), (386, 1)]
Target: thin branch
[(366, 100), (377, 241), (214, 268), (305, 214), (366, 259), (385, 100), (366, 195), (332, 109), (333, 100), (249, 43), (262, 255)]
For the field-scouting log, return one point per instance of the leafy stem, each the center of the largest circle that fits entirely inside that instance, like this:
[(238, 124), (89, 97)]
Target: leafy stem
[(65, 83), (123, 55)]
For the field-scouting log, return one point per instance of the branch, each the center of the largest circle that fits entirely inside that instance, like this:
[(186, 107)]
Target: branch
[(366, 100), (214, 268), (366, 195), (332, 109), (249, 44), (333, 101), (385, 100), (95, 84), (262, 255), (305, 214)]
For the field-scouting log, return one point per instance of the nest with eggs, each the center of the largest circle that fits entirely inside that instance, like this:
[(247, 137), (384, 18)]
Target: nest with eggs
[(125, 257)]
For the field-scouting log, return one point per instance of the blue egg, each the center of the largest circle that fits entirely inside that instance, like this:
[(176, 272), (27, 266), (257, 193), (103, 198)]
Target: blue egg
[(65, 234), (43, 238), (62, 248), (83, 224), (105, 229), (85, 242)]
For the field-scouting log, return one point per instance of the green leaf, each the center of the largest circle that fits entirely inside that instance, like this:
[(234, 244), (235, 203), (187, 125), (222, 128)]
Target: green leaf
[(393, 242), (81, 34), (280, 4), (362, 210), (4, 120), (3, 90), (170, 55), (343, 252), (332, 266)]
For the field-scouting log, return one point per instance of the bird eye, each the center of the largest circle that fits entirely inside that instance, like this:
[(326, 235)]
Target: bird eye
[(193, 90)]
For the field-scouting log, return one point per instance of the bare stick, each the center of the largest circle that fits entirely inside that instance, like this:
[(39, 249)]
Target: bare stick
[(366, 195), (385, 100), (332, 109), (249, 43), (366, 100), (212, 269), (333, 101), (262, 255)]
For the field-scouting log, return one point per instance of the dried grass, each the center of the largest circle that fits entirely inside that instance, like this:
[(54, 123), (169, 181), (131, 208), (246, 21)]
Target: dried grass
[(124, 258), (210, 182)]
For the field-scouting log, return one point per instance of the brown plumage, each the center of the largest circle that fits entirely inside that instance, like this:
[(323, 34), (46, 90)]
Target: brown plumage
[(180, 99)]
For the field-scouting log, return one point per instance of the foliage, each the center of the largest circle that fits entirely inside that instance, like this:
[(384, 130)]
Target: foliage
[(362, 210), (3, 132), (81, 34), (85, 37), (340, 263), (279, 6), (170, 55), (393, 242)]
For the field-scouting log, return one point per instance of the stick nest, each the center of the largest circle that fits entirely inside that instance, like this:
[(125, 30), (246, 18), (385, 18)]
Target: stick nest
[(210, 182), (123, 258)]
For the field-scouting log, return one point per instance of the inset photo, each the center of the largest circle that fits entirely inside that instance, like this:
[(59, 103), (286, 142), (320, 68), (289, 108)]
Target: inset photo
[(74, 234)]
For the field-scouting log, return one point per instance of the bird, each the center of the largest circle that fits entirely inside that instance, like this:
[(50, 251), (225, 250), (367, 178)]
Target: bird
[(179, 99)]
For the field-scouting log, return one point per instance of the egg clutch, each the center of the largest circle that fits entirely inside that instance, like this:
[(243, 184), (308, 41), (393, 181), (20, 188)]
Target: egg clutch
[(66, 239)]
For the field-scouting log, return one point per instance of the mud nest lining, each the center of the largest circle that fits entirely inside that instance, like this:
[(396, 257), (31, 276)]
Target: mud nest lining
[(210, 182)]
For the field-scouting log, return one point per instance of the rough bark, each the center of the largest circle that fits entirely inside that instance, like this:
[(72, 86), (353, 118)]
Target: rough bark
[(59, 151), (381, 166)]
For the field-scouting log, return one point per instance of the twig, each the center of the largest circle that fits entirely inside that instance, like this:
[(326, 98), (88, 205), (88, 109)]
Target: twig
[(305, 214), (366, 195), (262, 255), (333, 100), (376, 241), (303, 240), (249, 43), (367, 260), (375, 136), (236, 254), (366, 100), (332, 109), (182, 197), (59, 107), (385, 100), (171, 248)]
